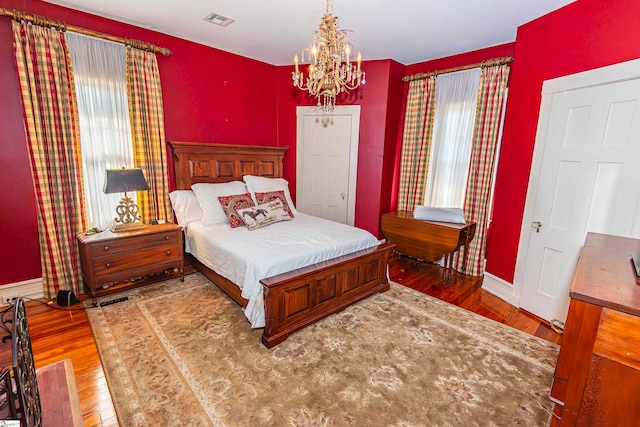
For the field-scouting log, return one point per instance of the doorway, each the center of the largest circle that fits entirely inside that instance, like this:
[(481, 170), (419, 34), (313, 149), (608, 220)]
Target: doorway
[(326, 163), (585, 177)]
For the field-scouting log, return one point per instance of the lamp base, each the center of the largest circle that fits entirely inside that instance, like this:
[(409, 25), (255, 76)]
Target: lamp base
[(132, 226)]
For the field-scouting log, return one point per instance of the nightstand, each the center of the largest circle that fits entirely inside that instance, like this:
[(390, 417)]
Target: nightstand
[(108, 258)]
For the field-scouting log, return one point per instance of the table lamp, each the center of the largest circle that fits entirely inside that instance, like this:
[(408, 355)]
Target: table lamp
[(121, 181)]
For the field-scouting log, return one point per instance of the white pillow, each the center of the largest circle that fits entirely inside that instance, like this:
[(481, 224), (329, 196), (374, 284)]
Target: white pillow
[(428, 213), (207, 195), (261, 184), (186, 206)]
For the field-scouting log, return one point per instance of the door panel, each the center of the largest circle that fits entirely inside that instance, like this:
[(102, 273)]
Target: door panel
[(327, 158), (589, 181), (326, 167)]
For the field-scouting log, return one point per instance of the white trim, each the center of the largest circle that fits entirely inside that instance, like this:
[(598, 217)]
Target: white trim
[(629, 70), (600, 76), (340, 110), (500, 288), (29, 288), (532, 193)]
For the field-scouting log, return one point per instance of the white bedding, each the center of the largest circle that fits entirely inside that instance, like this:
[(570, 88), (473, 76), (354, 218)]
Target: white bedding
[(246, 256)]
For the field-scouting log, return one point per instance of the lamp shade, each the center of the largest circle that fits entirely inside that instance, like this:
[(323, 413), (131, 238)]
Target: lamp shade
[(124, 180)]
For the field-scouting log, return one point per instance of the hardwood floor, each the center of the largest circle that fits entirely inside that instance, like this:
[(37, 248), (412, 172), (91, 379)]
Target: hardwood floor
[(60, 334)]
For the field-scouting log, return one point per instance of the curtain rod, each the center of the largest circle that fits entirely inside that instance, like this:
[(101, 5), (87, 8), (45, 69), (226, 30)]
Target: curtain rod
[(487, 63), (61, 26)]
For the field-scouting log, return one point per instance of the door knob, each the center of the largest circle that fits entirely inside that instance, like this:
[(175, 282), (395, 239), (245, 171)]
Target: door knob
[(536, 225), (343, 195)]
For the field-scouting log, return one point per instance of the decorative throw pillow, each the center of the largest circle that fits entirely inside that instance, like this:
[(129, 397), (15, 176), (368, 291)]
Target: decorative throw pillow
[(274, 195), (264, 214), (230, 204)]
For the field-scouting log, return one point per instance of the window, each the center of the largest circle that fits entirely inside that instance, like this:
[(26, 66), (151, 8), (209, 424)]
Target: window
[(456, 100), (99, 69)]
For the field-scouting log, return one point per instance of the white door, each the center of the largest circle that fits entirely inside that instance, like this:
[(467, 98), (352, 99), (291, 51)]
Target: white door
[(327, 152), (588, 181)]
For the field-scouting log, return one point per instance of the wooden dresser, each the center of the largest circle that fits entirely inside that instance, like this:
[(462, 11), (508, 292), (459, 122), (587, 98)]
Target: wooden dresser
[(597, 377), (109, 257)]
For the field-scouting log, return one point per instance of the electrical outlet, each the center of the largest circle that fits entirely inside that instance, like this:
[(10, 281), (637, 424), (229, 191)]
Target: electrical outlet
[(10, 300)]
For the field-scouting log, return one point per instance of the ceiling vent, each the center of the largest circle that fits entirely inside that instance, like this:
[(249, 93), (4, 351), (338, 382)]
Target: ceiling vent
[(217, 19)]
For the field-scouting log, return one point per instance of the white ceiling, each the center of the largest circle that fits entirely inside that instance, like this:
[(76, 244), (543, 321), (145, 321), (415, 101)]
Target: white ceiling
[(272, 31)]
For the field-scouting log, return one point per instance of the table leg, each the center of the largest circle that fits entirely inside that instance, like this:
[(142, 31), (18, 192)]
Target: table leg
[(464, 257), (446, 272)]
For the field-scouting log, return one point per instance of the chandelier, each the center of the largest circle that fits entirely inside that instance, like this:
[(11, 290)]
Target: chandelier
[(328, 75)]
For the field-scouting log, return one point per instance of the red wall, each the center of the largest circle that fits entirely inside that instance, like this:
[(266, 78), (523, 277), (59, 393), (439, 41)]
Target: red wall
[(20, 251), (466, 58), (581, 36), (395, 114), (380, 100), (209, 95)]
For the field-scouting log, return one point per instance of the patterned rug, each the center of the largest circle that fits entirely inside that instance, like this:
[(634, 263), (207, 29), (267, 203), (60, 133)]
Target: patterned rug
[(182, 354)]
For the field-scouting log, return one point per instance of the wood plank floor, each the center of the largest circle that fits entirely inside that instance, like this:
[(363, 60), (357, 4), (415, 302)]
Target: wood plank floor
[(60, 334)]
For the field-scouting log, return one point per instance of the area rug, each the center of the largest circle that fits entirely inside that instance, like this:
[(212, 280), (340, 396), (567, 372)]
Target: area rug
[(183, 354)]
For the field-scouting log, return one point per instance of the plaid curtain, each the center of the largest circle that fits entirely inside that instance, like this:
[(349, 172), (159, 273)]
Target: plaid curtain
[(416, 142), (51, 128), (491, 91), (147, 127)]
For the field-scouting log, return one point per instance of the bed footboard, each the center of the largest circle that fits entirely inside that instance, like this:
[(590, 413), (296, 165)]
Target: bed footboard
[(301, 297)]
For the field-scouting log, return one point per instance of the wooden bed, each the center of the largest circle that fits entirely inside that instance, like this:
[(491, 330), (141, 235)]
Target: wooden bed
[(298, 298)]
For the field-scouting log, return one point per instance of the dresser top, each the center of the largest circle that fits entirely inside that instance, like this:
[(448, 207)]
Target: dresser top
[(605, 275), (110, 235)]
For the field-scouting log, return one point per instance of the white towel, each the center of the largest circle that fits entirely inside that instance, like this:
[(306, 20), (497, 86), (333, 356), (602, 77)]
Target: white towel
[(428, 213)]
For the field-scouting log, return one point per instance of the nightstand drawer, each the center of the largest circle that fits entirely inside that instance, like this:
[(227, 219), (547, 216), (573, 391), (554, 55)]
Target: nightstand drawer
[(141, 242), (105, 265)]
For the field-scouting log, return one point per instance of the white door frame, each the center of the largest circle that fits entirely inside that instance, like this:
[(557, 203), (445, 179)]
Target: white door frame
[(624, 71), (342, 110)]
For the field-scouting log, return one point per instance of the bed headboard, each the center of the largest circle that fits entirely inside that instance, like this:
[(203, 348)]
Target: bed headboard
[(196, 162)]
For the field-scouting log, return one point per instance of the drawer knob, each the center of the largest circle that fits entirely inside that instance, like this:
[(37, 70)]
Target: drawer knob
[(166, 237), (106, 248), (168, 252), (108, 265)]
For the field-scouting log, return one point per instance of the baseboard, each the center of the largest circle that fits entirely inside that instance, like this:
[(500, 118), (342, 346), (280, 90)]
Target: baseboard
[(500, 288), (28, 288)]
